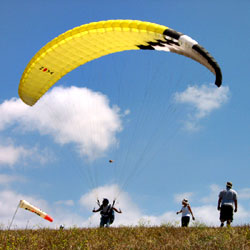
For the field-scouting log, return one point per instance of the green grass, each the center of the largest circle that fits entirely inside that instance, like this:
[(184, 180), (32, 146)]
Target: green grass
[(164, 237)]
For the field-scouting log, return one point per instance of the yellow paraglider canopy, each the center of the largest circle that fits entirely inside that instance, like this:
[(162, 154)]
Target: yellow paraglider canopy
[(90, 41)]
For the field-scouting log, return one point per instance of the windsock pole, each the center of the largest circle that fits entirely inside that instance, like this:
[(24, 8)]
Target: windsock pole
[(13, 217)]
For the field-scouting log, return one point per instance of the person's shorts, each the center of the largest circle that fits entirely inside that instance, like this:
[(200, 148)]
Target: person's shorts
[(105, 220), (185, 221), (226, 213)]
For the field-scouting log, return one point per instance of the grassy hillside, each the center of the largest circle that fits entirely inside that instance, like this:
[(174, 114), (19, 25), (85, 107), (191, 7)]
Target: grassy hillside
[(128, 238)]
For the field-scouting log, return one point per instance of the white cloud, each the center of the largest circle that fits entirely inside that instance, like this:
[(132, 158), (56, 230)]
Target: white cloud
[(244, 193), (213, 195), (11, 155), (9, 201), (204, 99), (69, 115), (9, 179), (11, 111), (131, 214), (206, 214), (209, 214), (179, 197)]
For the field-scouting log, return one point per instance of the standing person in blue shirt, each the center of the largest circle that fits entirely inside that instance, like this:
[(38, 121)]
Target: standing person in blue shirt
[(227, 199), (186, 212)]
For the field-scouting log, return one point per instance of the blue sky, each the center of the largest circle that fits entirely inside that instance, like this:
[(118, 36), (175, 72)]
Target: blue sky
[(170, 132)]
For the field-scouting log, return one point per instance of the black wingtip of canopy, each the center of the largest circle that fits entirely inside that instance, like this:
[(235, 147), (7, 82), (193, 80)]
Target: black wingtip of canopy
[(218, 80), (203, 52)]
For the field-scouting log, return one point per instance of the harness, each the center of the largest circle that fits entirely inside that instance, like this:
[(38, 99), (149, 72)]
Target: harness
[(109, 213)]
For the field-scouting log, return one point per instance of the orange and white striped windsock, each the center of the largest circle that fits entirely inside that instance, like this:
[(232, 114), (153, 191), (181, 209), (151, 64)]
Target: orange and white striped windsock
[(26, 205)]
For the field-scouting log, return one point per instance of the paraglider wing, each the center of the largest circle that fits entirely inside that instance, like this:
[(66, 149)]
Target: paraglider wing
[(26, 205), (179, 43), (90, 41)]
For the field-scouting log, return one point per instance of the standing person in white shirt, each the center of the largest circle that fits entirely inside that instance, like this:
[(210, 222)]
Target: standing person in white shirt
[(186, 213), (227, 199)]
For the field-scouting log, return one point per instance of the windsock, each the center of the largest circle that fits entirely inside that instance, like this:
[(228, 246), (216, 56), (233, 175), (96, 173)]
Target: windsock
[(26, 205)]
